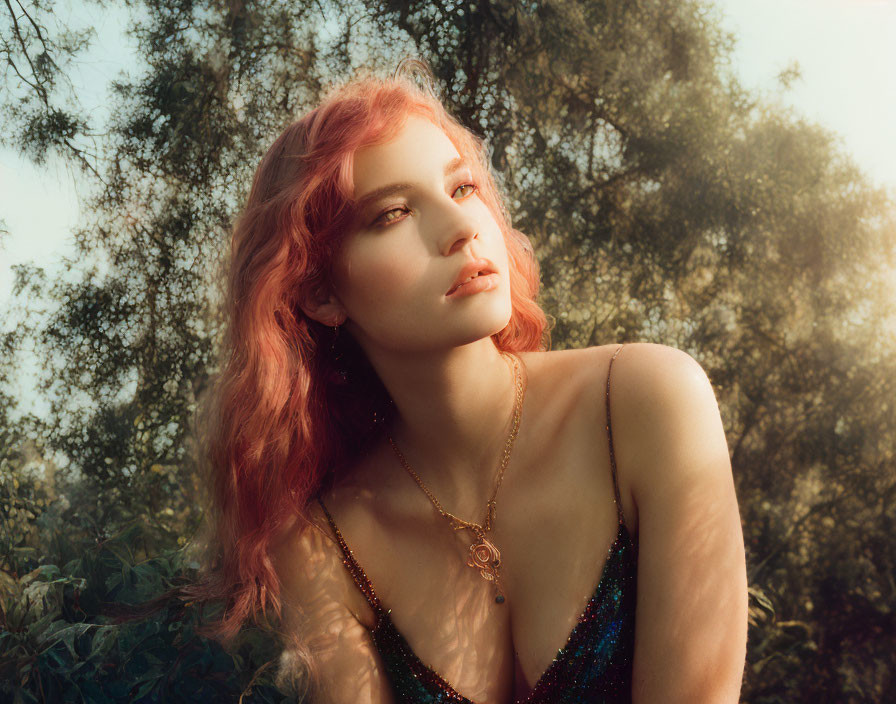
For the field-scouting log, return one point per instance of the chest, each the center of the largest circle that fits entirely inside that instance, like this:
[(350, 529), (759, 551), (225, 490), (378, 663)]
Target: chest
[(554, 524)]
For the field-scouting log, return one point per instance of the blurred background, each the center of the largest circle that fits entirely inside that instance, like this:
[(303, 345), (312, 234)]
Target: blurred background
[(715, 176)]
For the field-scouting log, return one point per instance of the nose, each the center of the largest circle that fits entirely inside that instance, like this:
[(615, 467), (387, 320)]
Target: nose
[(460, 242), (461, 229)]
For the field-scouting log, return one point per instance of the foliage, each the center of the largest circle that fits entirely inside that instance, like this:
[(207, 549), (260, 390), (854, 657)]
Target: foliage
[(56, 644), (38, 103), (666, 203)]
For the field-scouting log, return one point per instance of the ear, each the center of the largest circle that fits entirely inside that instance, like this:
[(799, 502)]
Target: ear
[(324, 308)]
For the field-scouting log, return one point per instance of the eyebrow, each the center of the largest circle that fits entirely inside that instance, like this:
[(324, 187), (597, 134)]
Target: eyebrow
[(452, 166)]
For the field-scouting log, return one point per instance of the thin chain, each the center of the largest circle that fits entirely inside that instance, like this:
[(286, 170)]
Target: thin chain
[(491, 505), (484, 554)]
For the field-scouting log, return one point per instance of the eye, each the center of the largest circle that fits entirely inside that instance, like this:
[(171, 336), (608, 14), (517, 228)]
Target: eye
[(382, 220), (468, 185)]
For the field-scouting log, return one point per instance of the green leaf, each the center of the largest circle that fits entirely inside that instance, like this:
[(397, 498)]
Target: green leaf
[(104, 640), (68, 634), (45, 627)]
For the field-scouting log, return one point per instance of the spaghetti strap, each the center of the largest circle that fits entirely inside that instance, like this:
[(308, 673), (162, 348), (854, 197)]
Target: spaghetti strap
[(619, 512), (354, 568)]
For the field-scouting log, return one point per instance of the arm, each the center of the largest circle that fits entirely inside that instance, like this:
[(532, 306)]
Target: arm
[(691, 617), (321, 608)]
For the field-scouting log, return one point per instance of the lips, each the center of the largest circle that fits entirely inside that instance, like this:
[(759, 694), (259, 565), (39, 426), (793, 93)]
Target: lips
[(470, 270)]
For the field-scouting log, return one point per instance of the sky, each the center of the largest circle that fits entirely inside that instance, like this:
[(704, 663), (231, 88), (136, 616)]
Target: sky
[(845, 51), (40, 206)]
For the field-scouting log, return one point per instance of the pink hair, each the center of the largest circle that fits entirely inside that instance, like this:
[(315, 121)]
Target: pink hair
[(279, 424)]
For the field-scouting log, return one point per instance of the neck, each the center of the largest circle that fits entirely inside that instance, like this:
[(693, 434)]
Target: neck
[(454, 416)]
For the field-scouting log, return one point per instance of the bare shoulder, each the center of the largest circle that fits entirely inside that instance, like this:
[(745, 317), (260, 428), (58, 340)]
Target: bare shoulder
[(637, 367), (321, 614), (313, 578), (692, 595), (642, 372), (661, 401)]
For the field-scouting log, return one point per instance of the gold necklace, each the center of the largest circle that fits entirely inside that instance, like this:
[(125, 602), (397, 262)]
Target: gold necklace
[(484, 555)]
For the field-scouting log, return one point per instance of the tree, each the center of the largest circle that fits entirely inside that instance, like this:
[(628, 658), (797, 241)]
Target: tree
[(666, 204), (40, 109)]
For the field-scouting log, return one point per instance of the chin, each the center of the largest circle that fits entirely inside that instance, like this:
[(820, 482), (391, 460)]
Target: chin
[(493, 326)]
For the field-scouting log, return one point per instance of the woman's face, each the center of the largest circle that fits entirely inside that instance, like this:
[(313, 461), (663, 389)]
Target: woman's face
[(410, 243)]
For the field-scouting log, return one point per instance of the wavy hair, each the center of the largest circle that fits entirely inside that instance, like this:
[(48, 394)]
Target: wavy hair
[(279, 423)]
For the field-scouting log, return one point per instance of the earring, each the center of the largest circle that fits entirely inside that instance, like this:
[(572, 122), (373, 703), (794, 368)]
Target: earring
[(337, 356)]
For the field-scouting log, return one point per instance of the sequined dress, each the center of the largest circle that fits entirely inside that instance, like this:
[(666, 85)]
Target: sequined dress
[(595, 664)]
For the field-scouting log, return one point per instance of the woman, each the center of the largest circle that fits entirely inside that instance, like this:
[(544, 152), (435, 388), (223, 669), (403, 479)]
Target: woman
[(438, 507)]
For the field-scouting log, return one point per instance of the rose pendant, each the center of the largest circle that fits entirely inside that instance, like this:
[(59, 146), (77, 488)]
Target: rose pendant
[(485, 557)]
